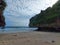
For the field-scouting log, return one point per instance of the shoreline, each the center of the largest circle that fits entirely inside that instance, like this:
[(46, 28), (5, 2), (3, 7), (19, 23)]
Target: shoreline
[(30, 38)]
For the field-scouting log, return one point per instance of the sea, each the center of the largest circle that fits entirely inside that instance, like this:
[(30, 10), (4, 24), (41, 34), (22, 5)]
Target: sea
[(14, 29)]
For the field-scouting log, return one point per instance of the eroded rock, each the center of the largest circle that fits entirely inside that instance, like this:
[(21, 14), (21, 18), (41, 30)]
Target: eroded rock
[(2, 18)]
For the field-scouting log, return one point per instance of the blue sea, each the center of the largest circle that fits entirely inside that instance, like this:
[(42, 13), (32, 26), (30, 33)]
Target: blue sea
[(17, 29)]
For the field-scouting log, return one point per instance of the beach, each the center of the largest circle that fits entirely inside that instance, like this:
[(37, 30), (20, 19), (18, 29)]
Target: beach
[(30, 38)]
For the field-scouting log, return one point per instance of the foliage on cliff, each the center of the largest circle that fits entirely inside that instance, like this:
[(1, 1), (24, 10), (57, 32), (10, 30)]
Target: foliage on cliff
[(47, 16)]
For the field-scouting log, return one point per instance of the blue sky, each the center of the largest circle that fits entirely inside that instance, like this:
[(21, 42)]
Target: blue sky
[(18, 12)]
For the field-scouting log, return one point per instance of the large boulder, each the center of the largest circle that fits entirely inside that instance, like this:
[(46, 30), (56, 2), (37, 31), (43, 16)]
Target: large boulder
[(2, 18)]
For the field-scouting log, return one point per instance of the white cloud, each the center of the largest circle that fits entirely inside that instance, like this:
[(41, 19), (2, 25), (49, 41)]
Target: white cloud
[(24, 9)]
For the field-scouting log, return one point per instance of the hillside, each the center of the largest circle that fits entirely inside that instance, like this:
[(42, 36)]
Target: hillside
[(48, 17)]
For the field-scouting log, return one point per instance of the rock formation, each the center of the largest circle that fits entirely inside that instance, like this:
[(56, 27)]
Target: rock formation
[(2, 18), (47, 18)]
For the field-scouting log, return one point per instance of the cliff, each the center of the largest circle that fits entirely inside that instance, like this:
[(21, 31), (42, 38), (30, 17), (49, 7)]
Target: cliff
[(49, 17), (2, 18)]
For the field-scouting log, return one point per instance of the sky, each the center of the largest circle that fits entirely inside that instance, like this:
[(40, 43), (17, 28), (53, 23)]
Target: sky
[(18, 12)]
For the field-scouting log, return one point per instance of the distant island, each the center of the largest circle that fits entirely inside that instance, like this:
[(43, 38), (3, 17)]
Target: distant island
[(47, 19)]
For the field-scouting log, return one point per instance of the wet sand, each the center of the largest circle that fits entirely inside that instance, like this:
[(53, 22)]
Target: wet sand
[(30, 38)]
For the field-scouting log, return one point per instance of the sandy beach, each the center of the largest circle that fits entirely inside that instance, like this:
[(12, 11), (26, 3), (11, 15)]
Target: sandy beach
[(30, 38)]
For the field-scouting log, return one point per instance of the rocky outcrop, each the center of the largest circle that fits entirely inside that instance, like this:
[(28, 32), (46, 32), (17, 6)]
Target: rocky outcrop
[(2, 18), (47, 19), (48, 29)]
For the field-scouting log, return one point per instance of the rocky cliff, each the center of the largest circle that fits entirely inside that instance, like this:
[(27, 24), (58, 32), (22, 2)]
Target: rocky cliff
[(2, 18), (48, 17)]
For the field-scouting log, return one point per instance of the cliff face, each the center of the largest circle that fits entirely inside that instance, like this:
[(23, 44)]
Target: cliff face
[(2, 18), (48, 17)]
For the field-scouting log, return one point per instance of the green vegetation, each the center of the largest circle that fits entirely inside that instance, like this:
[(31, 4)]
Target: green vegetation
[(47, 16)]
